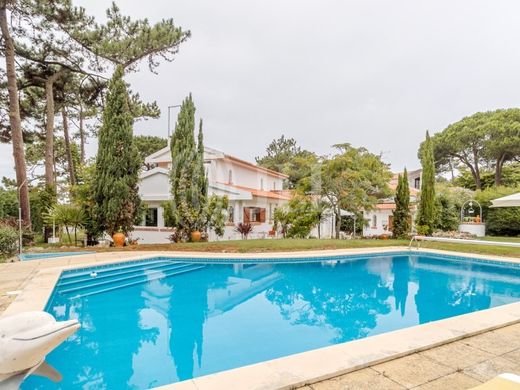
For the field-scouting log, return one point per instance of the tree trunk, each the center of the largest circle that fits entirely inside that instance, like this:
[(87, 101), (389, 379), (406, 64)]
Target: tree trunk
[(338, 221), (498, 170), (452, 171), (68, 151), (81, 134), (14, 118), (476, 171), (49, 130)]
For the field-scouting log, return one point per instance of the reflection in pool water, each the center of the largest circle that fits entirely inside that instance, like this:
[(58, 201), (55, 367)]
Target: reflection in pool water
[(229, 315)]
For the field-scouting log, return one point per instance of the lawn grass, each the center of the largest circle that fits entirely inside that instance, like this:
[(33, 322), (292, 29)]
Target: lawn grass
[(293, 245), (266, 245), (492, 250), (496, 238)]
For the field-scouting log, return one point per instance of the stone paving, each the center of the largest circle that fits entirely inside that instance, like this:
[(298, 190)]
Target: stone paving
[(459, 365)]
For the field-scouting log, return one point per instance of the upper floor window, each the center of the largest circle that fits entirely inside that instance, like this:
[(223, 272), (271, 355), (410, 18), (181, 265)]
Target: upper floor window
[(274, 185), (230, 177), (262, 184), (374, 221), (417, 183)]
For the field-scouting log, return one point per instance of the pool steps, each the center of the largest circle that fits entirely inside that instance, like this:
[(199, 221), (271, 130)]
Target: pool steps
[(132, 280), (100, 274), (145, 273), (115, 268)]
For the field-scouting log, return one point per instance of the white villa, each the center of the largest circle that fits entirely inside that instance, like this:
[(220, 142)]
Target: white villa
[(380, 220), (254, 193)]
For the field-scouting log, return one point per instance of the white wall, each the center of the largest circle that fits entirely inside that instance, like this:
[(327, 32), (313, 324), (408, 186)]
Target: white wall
[(326, 228), (147, 236), (243, 176), (157, 187), (382, 220), (154, 185)]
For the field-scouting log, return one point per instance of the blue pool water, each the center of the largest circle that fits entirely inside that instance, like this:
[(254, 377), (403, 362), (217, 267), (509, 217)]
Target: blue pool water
[(154, 322)]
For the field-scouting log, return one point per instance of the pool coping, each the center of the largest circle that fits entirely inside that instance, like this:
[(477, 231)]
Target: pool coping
[(307, 367)]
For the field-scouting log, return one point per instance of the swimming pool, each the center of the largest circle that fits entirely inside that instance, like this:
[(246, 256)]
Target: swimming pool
[(149, 323)]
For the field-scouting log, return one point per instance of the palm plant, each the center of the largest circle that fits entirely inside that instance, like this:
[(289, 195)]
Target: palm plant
[(66, 216), (321, 210)]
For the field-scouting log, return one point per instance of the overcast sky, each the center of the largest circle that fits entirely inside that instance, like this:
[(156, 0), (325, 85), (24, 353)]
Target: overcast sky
[(371, 73)]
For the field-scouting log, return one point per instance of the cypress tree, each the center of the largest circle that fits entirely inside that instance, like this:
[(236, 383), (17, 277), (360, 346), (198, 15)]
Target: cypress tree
[(186, 210), (201, 180), (401, 213), (116, 195), (426, 217)]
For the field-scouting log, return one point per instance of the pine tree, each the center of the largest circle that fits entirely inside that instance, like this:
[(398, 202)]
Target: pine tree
[(116, 195), (426, 218), (186, 211), (401, 213)]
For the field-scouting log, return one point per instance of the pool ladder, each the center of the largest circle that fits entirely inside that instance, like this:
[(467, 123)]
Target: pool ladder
[(417, 242)]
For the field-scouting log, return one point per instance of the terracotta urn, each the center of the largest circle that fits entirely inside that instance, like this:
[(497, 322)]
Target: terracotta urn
[(195, 236), (119, 239)]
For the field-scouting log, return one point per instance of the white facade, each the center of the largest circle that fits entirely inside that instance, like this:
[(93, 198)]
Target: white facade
[(253, 192), (379, 221)]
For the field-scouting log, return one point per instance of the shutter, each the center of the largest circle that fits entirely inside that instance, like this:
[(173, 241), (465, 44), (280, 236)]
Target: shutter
[(262, 215), (246, 214)]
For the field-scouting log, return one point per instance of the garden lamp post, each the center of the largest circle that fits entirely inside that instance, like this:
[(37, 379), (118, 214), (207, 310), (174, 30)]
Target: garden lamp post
[(169, 126), (20, 243)]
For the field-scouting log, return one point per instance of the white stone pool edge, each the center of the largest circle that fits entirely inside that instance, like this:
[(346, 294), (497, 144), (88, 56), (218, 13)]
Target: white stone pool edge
[(304, 368)]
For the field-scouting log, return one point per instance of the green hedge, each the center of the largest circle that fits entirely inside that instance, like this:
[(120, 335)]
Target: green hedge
[(499, 221), (8, 240)]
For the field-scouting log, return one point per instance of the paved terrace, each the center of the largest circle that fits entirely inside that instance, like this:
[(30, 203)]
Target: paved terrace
[(458, 365)]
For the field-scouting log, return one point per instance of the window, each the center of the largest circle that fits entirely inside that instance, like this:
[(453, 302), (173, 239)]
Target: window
[(417, 183), (151, 217), (274, 185), (254, 214), (262, 184), (230, 177), (374, 221), (231, 214)]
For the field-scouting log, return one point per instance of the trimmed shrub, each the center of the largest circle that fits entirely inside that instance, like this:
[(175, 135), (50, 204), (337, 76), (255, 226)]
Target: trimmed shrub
[(499, 221), (503, 221), (8, 240)]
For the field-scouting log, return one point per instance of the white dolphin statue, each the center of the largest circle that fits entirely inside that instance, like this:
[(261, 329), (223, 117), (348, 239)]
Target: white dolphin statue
[(25, 340)]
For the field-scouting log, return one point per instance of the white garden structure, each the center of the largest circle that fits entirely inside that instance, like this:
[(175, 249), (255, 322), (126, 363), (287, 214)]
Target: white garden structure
[(507, 201)]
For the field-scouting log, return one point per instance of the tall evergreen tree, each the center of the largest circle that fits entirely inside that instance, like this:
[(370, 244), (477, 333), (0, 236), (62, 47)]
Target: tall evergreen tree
[(201, 177), (117, 164), (401, 213), (426, 218), (186, 211)]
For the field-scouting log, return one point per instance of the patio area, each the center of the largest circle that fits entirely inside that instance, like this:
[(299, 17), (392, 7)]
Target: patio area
[(459, 365)]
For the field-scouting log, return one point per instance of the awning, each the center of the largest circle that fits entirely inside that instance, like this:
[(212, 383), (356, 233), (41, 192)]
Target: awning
[(507, 201)]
